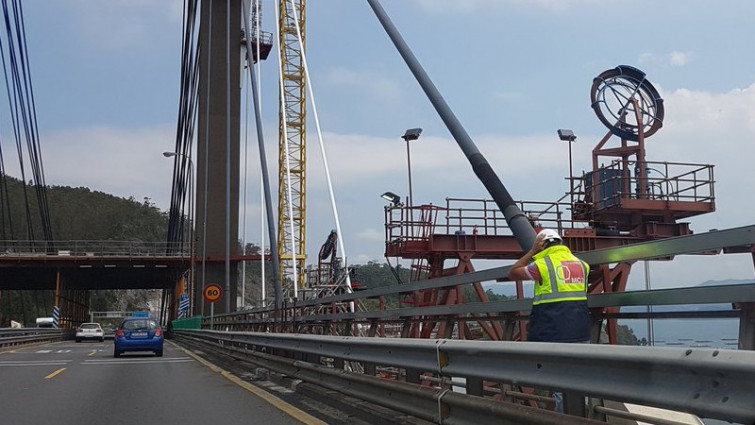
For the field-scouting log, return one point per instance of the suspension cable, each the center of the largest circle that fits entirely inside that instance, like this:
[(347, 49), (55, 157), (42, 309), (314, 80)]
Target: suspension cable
[(20, 91), (182, 169)]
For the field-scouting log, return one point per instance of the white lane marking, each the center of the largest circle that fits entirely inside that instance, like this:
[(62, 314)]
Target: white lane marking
[(139, 361), (50, 363), (63, 351), (44, 351)]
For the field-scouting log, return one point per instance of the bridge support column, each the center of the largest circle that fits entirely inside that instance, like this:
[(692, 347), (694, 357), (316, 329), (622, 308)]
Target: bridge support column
[(217, 211)]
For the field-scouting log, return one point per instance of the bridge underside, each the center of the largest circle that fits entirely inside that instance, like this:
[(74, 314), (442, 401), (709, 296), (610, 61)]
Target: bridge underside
[(36, 274)]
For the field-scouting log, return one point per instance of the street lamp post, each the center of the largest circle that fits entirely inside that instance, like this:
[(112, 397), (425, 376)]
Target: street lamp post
[(569, 137), (411, 134), (191, 225)]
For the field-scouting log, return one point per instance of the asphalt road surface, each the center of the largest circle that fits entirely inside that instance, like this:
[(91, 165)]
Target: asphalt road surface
[(81, 384)]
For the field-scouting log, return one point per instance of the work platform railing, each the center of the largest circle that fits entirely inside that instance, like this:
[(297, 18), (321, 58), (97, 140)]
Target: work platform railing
[(467, 216)]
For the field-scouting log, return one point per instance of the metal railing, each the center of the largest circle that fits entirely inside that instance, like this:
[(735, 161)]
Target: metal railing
[(704, 382), (292, 316), (666, 181), (19, 336), (470, 217), (92, 249)]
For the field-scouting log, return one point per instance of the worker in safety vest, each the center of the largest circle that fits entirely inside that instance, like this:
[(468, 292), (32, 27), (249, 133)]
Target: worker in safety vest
[(559, 308)]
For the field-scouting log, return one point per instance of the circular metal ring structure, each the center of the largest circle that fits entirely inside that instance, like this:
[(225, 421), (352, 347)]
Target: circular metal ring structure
[(626, 102)]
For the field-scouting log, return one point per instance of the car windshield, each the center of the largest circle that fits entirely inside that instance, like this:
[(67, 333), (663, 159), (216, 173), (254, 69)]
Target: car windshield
[(90, 326), (139, 324)]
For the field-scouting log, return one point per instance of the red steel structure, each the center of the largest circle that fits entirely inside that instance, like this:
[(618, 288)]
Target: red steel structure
[(627, 201)]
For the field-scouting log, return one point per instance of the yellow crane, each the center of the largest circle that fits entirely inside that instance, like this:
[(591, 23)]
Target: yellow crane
[(292, 160)]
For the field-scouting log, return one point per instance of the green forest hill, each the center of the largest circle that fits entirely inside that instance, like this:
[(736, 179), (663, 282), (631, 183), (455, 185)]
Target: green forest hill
[(82, 214)]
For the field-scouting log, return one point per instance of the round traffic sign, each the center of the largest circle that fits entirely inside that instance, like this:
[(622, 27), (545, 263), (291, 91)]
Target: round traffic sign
[(212, 292)]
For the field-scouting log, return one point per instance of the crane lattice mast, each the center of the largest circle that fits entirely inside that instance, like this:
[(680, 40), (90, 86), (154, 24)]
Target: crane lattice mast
[(294, 116)]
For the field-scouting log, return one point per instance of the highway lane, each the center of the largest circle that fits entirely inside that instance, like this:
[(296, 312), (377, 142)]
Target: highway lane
[(69, 383)]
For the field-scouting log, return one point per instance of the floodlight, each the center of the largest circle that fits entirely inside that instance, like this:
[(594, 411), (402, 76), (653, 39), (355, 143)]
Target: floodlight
[(391, 197), (412, 134), (566, 135)]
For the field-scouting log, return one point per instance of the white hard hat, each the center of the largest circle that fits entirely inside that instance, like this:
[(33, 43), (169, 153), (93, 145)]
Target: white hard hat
[(549, 235)]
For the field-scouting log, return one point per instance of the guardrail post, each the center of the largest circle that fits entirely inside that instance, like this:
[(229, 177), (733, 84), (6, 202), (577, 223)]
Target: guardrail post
[(338, 363), (373, 328), (370, 369), (509, 326), (597, 325), (574, 404), (746, 326), (412, 376), (474, 386)]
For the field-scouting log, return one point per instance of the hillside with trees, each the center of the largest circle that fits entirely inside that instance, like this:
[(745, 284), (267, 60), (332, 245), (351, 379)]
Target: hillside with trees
[(75, 214)]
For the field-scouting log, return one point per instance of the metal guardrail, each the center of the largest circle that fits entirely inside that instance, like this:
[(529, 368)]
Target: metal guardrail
[(743, 295), (318, 310), (14, 336), (690, 244), (437, 405), (705, 382)]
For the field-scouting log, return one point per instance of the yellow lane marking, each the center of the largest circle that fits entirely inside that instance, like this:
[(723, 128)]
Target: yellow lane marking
[(292, 411), (92, 353), (56, 373)]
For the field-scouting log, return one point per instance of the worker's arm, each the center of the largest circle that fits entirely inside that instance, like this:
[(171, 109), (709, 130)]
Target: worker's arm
[(518, 270)]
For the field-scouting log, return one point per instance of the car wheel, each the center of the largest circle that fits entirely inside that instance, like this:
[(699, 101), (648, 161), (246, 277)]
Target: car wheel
[(116, 353), (78, 340), (159, 353), (102, 339)]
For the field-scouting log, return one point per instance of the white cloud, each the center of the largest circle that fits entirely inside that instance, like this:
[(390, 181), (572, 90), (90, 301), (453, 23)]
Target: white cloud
[(122, 162), (371, 235), (675, 58), (680, 58), (362, 82), (468, 6), (108, 26)]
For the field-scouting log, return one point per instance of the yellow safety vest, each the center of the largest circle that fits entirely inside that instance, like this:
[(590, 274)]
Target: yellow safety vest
[(564, 276)]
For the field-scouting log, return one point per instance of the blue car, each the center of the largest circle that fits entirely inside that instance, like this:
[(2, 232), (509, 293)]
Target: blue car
[(138, 334)]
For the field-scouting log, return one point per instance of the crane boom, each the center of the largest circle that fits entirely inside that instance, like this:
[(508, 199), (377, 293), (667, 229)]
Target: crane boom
[(292, 160)]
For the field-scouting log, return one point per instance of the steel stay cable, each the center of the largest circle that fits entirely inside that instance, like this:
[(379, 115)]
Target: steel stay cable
[(35, 147), (262, 181), (21, 102), (185, 127)]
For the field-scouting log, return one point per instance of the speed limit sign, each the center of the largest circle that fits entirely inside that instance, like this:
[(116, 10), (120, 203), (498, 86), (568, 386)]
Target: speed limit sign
[(212, 292)]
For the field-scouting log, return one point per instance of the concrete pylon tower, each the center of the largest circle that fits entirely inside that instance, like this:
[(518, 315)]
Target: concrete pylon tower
[(217, 208)]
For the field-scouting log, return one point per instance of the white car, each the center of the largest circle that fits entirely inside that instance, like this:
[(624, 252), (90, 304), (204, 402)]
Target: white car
[(90, 331)]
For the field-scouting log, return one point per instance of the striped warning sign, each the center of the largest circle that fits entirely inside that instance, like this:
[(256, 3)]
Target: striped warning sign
[(55, 317)]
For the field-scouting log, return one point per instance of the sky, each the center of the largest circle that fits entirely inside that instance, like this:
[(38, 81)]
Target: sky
[(106, 85)]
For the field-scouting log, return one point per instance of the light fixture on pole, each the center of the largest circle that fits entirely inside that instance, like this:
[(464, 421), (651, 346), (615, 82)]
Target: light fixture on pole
[(409, 135), (191, 224), (391, 197), (569, 137)]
